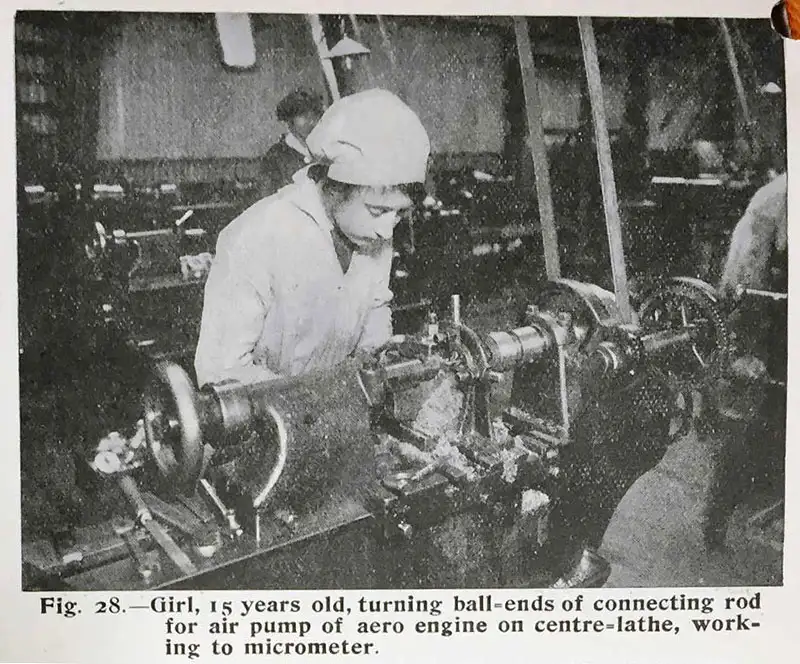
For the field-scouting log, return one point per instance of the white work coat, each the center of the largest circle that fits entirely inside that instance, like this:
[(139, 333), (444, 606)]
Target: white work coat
[(277, 302), (760, 232)]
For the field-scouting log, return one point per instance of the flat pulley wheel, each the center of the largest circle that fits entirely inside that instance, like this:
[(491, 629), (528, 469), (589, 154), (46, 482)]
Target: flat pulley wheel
[(686, 304), (172, 427), (585, 307)]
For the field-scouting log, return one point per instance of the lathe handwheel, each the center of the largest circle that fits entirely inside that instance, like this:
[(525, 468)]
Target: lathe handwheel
[(172, 427)]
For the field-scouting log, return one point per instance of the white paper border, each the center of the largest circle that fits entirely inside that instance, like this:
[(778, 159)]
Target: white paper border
[(27, 636)]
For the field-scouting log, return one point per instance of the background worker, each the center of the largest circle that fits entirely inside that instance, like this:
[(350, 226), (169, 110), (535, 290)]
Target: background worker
[(300, 111)]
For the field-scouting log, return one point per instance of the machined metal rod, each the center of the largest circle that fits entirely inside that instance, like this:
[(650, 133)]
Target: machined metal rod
[(135, 235), (318, 37), (455, 309), (755, 292), (665, 340), (145, 517), (733, 61), (168, 545)]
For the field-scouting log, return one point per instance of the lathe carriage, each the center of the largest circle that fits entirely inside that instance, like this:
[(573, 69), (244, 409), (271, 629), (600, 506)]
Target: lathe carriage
[(449, 459)]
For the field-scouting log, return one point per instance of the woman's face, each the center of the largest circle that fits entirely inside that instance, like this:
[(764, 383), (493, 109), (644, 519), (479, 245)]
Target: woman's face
[(301, 125), (369, 215)]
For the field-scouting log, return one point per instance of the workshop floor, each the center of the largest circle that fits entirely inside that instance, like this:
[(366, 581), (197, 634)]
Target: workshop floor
[(654, 539)]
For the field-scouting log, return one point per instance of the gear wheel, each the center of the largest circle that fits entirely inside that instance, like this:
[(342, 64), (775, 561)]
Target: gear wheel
[(684, 303)]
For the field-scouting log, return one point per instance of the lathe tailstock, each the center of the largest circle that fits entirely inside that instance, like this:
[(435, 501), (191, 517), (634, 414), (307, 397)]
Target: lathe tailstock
[(450, 459)]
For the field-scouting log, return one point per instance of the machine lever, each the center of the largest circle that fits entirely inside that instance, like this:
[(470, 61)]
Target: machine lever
[(755, 292), (180, 519), (196, 506), (145, 567), (173, 551), (226, 513)]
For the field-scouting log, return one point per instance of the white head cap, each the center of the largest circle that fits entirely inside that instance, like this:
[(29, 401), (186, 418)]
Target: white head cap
[(371, 138)]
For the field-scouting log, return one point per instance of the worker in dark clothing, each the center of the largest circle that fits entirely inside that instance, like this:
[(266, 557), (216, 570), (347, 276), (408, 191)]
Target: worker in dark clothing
[(300, 111)]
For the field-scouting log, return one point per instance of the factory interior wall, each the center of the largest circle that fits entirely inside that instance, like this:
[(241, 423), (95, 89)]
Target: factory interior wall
[(169, 109), (166, 96), (453, 78), (166, 109), (165, 93)]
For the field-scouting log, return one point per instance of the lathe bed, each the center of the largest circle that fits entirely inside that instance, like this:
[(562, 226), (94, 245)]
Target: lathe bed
[(342, 544)]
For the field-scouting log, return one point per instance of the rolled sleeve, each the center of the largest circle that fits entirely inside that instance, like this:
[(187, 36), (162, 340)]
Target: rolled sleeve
[(752, 243), (761, 230)]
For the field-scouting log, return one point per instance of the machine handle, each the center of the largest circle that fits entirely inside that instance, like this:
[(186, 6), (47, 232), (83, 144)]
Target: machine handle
[(131, 491), (665, 340), (741, 291), (173, 551)]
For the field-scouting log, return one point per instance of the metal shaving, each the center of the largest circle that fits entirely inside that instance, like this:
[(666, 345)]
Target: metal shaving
[(510, 457), (502, 435), (533, 500), (440, 412), (446, 452)]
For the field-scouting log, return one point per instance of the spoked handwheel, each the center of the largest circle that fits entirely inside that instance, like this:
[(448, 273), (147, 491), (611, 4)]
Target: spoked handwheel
[(694, 370), (689, 305)]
